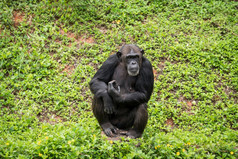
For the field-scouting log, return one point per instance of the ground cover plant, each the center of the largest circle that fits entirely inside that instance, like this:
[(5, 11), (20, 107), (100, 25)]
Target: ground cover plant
[(51, 49)]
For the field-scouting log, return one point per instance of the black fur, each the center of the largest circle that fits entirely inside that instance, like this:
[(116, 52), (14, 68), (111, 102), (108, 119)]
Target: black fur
[(124, 107)]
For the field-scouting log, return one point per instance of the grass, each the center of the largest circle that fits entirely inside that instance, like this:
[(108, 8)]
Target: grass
[(51, 49)]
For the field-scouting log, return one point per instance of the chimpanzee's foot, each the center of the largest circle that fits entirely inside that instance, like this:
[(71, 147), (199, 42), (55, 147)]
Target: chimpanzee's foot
[(133, 134), (110, 130)]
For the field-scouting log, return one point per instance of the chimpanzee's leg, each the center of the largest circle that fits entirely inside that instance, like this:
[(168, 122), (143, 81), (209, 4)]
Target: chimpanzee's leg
[(124, 118), (140, 121), (102, 117)]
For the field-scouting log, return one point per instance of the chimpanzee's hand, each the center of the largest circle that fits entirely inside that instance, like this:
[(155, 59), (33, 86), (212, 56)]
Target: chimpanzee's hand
[(113, 89), (109, 108)]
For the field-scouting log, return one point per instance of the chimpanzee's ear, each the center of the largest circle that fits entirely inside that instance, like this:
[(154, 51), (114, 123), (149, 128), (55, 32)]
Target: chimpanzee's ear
[(142, 51), (118, 54)]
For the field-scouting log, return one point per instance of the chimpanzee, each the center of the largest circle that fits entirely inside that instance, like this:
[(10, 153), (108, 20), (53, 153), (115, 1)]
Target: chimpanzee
[(122, 87)]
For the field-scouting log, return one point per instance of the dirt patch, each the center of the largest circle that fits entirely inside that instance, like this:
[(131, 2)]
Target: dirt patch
[(170, 123), (155, 74), (62, 31), (102, 29), (51, 119), (161, 65), (71, 35), (79, 39), (84, 39), (144, 21), (187, 104), (30, 20), (69, 69), (190, 104), (58, 41), (216, 98), (132, 38), (18, 17)]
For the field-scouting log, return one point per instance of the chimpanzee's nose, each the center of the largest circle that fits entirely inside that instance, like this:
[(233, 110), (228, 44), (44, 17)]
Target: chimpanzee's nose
[(133, 62)]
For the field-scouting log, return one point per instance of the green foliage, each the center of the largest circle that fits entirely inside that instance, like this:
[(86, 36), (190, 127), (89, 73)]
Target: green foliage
[(51, 49)]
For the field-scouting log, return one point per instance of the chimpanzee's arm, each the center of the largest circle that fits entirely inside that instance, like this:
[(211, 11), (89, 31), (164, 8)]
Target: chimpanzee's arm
[(143, 87), (98, 84)]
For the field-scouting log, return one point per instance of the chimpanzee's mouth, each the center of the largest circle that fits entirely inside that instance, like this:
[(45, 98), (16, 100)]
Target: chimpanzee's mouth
[(133, 72)]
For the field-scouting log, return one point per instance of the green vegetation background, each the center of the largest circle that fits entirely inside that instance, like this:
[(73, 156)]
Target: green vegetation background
[(51, 49)]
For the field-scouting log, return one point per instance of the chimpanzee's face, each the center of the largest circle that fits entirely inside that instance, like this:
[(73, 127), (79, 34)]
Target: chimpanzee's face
[(131, 58), (132, 63)]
